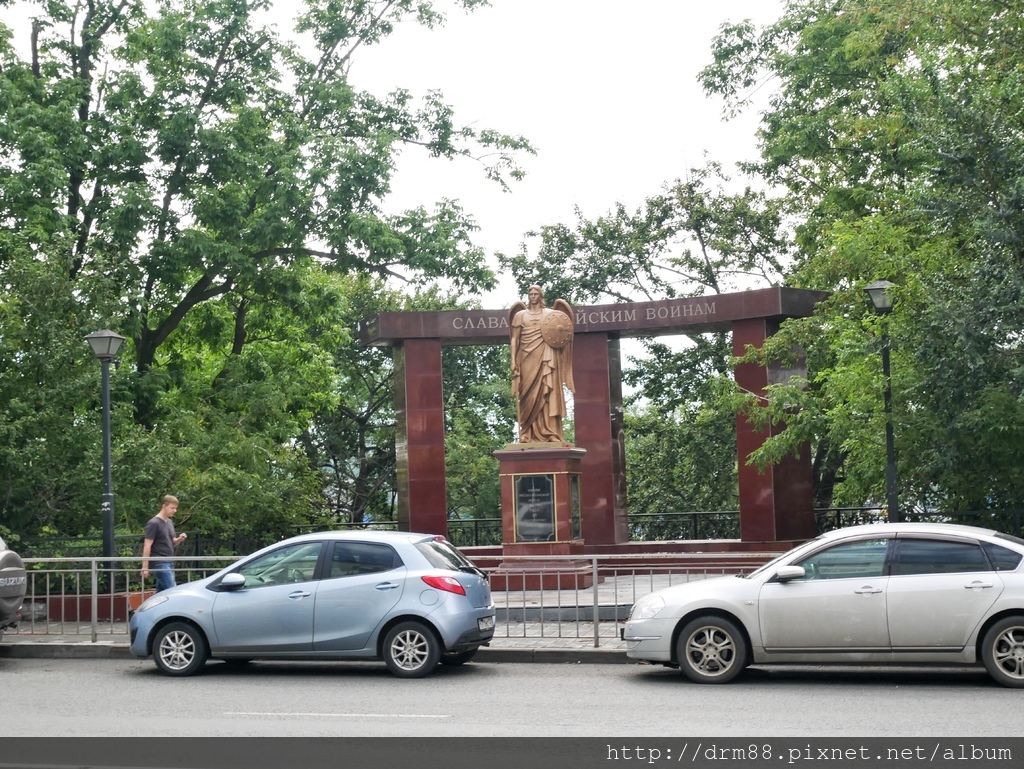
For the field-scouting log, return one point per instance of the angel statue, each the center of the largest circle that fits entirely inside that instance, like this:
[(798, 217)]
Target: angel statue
[(541, 363)]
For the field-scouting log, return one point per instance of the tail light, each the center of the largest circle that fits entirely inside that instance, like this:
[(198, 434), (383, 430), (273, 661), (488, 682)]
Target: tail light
[(445, 583)]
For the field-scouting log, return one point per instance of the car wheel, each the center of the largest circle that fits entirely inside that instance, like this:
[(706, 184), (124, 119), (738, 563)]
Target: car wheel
[(458, 658), (711, 650), (179, 649), (411, 650), (1002, 651)]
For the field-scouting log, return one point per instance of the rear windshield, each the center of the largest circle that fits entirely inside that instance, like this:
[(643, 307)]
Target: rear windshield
[(1002, 558), (1010, 538), (443, 555)]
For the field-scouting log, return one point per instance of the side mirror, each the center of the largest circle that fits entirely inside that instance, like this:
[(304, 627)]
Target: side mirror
[(788, 573), (233, 581)]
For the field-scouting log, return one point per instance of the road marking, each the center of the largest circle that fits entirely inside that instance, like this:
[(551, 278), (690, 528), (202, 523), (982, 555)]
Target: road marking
[(335, 715)]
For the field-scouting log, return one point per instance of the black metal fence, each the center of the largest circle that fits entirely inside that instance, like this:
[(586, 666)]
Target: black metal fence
[(1008, 521), (643, 527)]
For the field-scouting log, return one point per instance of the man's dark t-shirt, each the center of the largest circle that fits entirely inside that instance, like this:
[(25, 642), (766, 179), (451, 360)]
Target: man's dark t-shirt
[(162, 534)]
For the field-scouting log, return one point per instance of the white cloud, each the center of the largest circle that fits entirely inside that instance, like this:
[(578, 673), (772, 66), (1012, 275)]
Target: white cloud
[(605, 90)]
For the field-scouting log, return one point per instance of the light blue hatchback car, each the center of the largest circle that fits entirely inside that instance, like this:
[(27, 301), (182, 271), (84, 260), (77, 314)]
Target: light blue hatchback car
[(412, 600)]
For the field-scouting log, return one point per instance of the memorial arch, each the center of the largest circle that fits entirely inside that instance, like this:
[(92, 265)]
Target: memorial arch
[(776, 505)]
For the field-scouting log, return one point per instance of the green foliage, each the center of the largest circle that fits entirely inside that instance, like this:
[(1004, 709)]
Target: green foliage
[(895, 129), (480, 418), (184, 174), (49, 398), (352, 440), (681, 430), (693, 238), (682, 463)]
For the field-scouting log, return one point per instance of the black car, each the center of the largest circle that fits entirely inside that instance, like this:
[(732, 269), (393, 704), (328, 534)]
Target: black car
[(13, 583)]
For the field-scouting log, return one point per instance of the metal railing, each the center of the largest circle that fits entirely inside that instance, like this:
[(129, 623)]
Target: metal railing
[(483, 532), (1008, 521), (535, 597)]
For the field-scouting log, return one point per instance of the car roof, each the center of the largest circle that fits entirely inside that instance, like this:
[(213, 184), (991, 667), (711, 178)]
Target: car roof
[(362, 535), (912, 527)]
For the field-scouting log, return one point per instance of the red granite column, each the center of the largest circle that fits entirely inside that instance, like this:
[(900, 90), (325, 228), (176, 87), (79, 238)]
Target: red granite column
[(777, 504), (419, 438), (598, 421)]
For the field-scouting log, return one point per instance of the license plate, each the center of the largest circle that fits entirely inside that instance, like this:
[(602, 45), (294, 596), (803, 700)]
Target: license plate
[(485, 623)]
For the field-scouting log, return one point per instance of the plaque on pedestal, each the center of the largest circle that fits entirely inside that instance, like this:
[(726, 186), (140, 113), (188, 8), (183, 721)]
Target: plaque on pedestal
[(534, 504)]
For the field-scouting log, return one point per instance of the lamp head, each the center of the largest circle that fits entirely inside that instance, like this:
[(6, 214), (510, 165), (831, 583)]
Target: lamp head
[(105, 343), (880, 293)]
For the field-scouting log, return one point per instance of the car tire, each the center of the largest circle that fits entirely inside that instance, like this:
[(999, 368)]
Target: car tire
[(458, 658), (411, 650), (1002, 651), (179, 649), (711, 650)]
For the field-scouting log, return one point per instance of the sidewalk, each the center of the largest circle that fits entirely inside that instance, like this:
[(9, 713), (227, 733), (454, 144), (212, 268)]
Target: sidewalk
[(532, 626)]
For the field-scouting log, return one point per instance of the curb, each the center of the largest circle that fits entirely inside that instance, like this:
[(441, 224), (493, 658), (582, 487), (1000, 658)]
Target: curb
[(56, 651), (560, 656)]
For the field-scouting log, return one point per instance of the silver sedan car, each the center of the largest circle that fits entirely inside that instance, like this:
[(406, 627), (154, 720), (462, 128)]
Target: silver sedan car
[(884, 593), (412, 600)]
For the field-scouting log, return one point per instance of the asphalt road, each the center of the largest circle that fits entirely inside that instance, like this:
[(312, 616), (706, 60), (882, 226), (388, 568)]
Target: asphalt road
[(114, 697)]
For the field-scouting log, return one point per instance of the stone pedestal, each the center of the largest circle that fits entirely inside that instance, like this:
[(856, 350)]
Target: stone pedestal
[(540, 516)]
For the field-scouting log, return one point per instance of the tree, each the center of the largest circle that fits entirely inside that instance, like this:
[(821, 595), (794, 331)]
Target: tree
[(190, 178), (480, 418), (352, 439), (895, 130), (693, 238), (680, 431)]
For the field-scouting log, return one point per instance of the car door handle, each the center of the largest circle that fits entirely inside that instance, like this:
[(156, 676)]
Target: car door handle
[(387, 586), (867, 589), (978, 585), (298, 595)]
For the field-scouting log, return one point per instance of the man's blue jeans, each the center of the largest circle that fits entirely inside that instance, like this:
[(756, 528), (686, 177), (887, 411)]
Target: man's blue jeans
[(163, 573)]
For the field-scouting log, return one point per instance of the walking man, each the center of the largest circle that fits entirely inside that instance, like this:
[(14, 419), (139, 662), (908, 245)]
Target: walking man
[(159, 542)]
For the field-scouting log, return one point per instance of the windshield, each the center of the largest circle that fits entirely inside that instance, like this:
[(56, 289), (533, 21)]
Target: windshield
[(776, 559), (442, 555)]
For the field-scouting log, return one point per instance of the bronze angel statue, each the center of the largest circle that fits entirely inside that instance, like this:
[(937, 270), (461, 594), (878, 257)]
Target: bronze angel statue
[(541, 363)]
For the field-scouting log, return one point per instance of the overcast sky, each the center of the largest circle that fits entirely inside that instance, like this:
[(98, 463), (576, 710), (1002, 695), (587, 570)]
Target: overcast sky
[(605, 90)]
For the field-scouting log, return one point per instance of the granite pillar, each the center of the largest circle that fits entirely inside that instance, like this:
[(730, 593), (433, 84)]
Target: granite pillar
[(777, 504), (419, 437)]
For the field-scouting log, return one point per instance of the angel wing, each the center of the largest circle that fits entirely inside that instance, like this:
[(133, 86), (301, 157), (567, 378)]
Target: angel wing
[(515, 308), (566, 352)]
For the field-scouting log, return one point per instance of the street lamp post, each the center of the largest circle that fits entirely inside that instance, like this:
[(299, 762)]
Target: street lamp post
[(882, 300), (105, 345)]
